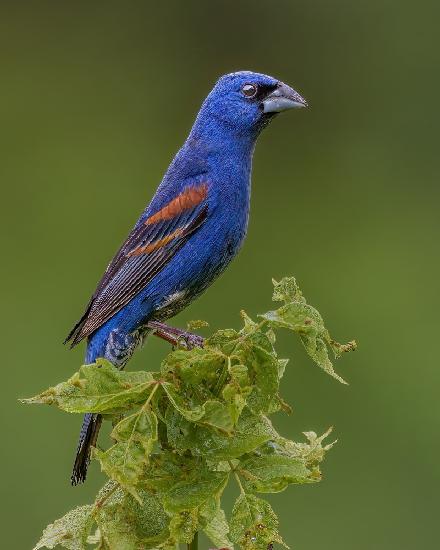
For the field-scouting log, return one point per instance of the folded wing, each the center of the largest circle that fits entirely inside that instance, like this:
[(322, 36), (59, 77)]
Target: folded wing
[(149, 247)]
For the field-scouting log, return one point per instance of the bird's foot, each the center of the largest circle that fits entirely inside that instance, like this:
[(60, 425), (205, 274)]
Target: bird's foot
[(176, 336), (192, 340)]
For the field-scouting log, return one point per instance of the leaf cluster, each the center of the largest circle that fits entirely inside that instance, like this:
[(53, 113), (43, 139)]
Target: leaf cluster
[(180, 434)]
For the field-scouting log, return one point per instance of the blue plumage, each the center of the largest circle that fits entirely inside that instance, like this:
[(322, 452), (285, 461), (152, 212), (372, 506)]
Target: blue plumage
[(191, 230)]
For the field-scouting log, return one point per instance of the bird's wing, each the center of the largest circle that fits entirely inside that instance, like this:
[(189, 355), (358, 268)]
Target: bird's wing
[(149, 247)]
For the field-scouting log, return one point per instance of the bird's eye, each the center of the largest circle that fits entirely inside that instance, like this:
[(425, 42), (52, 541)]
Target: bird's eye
[(249, 90)]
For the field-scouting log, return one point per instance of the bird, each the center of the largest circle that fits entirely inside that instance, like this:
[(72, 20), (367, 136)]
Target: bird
[(193, 227)]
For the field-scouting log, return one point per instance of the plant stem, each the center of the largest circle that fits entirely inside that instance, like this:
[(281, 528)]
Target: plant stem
[(237, 477), (194, 545), (150, 397)]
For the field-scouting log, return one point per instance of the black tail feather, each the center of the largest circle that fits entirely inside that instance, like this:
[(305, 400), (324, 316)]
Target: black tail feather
[(87, 439)]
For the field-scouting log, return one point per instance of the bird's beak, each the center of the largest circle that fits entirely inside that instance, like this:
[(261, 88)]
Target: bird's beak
[(282, 98)]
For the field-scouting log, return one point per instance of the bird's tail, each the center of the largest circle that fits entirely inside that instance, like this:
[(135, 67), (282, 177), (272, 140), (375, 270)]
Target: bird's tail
[(117, 348), (87, 440)]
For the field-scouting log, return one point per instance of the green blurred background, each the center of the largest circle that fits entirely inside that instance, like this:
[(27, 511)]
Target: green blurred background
[(96, 97)]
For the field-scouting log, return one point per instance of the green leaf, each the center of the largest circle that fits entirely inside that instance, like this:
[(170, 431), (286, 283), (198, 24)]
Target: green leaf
[(224, 340), (282, 364), (217, 530), (254, 524), (250, 326), (317, 349), (218, 415), (312, 452), (183, 526), (70, 531), (195, 491), (273, 473), (250, 432), (185, 405), (237, 390), (193, 503), (306, 321), (165, 469), (98, 388), (196, 324), (255, 350), (194, 366), (95, 538), (298, 317), (287, 290), (265, 366), (125, 461), (211, 413), (126, 524)]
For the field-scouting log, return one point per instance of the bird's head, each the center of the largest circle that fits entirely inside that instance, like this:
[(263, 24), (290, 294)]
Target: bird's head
[(247, 101)]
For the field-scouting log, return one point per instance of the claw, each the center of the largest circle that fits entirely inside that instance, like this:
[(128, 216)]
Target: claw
[(193, 340)]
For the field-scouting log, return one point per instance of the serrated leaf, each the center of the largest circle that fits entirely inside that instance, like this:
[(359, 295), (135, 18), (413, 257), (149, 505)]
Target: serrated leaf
[(195, 491), (237, 390), (282, 364), (70, 531), (287, 290), (196, 324), (126, 524), (250, 432), (273, 473), (298, 316), (217, 530), (186, 407), (254, 524), (183, 526), (125, 461), (211, 413), (317, 349), (224, 340), (98, 388), (255, 350), (193, 503), (194, 366), (165, 470), (218, 415), (311, 453), (265, 366), (95, 538), (249, 324)]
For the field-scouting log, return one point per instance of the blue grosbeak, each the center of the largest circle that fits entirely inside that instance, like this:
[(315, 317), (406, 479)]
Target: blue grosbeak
[(186, 237)]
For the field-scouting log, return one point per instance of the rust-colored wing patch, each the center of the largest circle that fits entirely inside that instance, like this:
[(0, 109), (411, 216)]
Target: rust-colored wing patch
[(189, 198), (155, 245)]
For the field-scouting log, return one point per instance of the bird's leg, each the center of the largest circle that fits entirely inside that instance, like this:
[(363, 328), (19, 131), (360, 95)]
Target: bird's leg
[(176, 336)]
